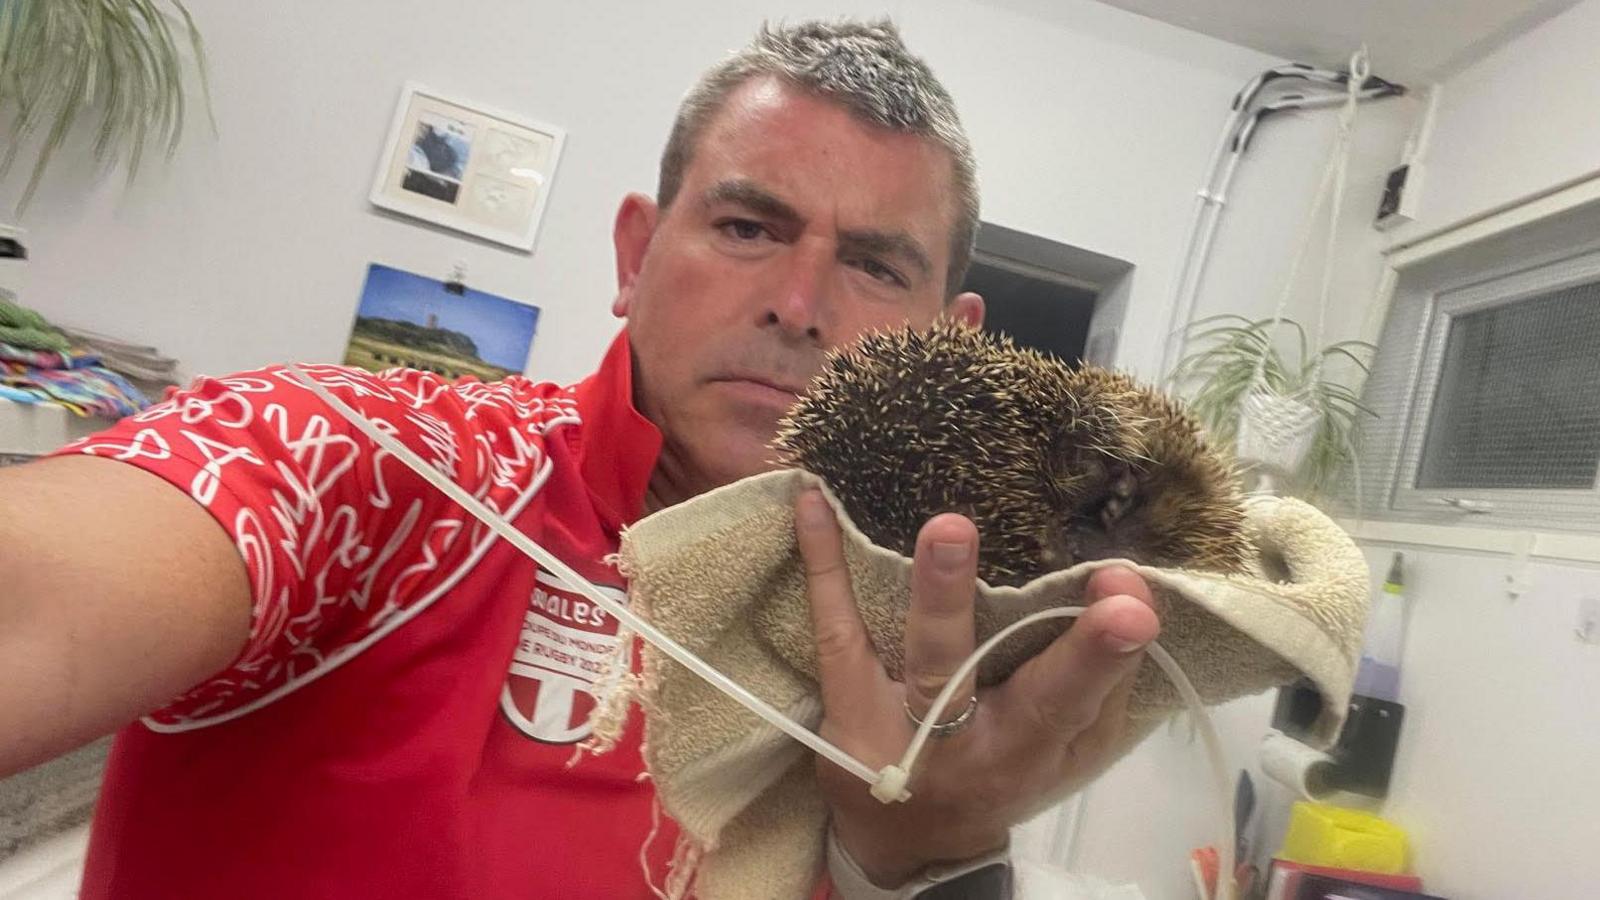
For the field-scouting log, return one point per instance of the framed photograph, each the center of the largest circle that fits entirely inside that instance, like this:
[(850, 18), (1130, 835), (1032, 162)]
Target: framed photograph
[(476, 170), (414, 322)]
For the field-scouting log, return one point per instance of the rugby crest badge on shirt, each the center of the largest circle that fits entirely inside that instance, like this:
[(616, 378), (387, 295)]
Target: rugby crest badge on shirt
[(565, 646)]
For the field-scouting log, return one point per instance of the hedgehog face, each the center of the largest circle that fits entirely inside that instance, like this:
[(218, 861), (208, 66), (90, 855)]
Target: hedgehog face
[(1054, 466)]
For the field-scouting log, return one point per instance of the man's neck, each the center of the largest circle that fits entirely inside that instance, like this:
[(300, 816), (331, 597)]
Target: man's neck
[(670, 483)]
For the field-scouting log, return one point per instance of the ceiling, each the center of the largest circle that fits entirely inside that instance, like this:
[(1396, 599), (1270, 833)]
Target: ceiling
[(1409, 41)]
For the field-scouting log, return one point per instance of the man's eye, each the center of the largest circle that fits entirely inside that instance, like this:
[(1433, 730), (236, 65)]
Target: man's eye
[(880, 272), (742, 229)]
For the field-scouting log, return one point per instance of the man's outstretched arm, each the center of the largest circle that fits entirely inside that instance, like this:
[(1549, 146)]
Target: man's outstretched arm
[(117, 593)]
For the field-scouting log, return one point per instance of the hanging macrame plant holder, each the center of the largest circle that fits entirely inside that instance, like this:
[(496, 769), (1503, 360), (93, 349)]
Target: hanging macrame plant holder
[(1275, 431), (1277, 428)]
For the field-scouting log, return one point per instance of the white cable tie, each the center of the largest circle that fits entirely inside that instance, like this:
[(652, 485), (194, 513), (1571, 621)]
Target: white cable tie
[(888, 784), (561, 570)]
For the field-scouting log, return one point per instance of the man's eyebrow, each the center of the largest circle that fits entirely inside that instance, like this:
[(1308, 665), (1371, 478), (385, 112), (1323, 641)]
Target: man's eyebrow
[(757, 199), (746, 193), (896, 244)]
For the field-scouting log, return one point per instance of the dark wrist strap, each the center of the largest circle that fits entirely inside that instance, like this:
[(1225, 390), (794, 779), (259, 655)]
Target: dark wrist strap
[(991, 882), (984, 878)]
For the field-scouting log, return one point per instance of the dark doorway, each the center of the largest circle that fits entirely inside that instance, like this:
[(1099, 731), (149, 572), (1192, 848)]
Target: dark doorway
[(1047, 314)]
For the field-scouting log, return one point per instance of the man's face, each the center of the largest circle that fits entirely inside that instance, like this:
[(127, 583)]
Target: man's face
[(797, 228)]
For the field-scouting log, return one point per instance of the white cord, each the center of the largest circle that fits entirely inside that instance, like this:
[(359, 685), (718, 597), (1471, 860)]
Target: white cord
[(1209, 195), (888, 784), (1331, 186), (561, 570), (1241, 121), (1359, 70), (1163, 660)]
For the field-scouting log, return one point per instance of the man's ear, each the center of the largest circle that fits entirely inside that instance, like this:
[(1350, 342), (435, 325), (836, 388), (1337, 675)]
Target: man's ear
[(966, 308), (636, 222)]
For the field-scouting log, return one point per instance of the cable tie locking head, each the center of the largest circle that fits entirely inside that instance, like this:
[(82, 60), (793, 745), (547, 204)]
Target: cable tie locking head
[(890, 787)]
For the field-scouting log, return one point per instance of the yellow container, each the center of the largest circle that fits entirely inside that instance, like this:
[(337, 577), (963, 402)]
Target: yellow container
[(1321, 835)]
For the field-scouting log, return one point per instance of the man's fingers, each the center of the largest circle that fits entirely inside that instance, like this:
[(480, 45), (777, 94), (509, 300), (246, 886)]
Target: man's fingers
[(1114, 581), (845, 659), (1065, 688), (939, 628)]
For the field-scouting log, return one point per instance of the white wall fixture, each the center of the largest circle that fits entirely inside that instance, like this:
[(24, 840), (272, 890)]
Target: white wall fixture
[(1588, 629)]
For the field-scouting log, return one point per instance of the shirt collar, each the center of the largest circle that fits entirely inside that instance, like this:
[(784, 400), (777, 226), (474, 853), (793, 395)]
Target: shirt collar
[(619, 445)]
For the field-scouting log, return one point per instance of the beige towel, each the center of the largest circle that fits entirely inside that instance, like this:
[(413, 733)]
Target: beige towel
[(722, 575)]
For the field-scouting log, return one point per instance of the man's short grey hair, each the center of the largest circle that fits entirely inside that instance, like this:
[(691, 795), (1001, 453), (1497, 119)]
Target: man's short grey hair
[(863, 66)]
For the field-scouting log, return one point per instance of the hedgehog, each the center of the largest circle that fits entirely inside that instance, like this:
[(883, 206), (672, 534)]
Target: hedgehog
[(1055, 465)]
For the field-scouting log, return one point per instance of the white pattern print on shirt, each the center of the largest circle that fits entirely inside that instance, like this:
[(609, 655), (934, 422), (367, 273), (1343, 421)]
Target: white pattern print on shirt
[(327, 580)]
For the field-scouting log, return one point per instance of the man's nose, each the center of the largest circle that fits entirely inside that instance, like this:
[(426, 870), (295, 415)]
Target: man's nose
[(797, 308)]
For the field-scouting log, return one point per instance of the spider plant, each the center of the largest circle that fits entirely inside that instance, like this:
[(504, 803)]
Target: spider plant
[(1222, 371), (118, 61)]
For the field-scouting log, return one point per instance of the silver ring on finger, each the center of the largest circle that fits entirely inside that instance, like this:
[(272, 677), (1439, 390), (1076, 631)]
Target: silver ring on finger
[(945, 729)]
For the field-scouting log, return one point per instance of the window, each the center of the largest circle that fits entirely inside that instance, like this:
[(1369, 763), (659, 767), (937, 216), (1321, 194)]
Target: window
[(1487, 389), (1514, 406)]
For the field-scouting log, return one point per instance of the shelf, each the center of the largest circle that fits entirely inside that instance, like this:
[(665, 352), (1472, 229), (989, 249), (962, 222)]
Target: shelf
[(30, 430)]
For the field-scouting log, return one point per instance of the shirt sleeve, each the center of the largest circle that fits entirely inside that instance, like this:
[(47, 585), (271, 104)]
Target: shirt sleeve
[(339, 539)]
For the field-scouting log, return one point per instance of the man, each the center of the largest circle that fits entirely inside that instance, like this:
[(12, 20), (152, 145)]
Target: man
[(376, 699)]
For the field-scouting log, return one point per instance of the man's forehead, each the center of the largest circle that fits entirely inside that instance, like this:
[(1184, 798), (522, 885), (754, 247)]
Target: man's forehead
[(810, 151)]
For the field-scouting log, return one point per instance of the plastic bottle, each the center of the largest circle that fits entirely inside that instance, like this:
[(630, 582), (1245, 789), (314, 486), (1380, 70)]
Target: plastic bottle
[(1378, 675)]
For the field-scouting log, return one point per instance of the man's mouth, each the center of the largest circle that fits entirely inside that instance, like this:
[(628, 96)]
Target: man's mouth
[(761, 389)]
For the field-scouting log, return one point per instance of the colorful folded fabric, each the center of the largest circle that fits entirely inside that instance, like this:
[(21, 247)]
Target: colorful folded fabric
[(48, 359), (91, 390)]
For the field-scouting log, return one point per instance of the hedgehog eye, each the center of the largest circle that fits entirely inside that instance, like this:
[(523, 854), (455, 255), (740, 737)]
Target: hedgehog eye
[(1114, 509), (1121, 496)]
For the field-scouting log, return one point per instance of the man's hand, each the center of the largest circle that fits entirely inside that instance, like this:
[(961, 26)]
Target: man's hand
[(1048, 728)]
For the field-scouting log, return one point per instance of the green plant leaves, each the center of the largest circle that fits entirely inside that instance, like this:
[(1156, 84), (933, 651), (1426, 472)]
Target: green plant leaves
[(1232, 350), (121, 61)]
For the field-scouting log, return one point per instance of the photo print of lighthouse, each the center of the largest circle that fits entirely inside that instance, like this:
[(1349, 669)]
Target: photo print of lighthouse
[(407, 320)]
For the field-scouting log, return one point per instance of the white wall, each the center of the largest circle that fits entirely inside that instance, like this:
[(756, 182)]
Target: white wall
[(1144, 816), (1519, 121), (1497, 766), (1095, 137), (1266, 218), (1496, 771), (250, 248), (1496, 763), (1499, 759)]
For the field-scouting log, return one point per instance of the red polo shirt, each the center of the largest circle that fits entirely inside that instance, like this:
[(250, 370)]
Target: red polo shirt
[(403, 719)]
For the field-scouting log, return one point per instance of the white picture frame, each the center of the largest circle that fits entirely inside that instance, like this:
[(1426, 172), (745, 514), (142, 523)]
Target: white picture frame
[(467, 167)]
